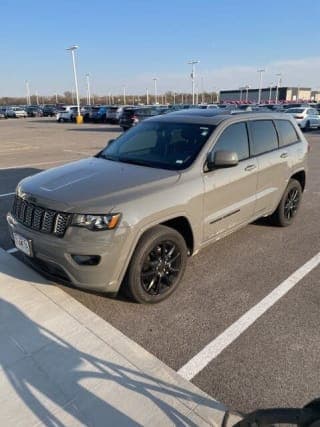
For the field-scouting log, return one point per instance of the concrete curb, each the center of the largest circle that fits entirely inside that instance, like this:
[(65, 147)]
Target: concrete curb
[(141, 389)]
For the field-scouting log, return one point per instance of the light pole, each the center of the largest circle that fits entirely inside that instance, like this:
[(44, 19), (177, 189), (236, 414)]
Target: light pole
[(174, 98), (241, 89), (28, 92), (88, 89), (155, 90), (279, 75), (247, 87), (72, 49), (56, 97), (270, 92), (124, 95), (37, 97), (147, 92), (262, 70), (193, 62)]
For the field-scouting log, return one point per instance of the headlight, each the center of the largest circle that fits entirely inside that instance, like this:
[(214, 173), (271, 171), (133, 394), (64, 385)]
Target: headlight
[(96, 222)]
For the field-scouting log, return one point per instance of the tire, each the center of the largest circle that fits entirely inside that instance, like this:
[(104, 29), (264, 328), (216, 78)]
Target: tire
[(286, 210), (307, 126), (61, 120), (151, 259)]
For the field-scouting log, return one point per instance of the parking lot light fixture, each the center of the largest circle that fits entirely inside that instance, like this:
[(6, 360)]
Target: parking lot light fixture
[(28, 92), (88, 89), (247, 87), (155, 90), (279, 75), (270, 92), (193, 62), (262, 70), (72, 49)]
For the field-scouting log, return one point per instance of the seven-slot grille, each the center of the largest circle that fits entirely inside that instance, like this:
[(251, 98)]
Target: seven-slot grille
[(40, 219)]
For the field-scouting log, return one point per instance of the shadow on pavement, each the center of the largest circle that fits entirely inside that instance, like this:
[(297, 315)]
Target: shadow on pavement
[(58, 375)]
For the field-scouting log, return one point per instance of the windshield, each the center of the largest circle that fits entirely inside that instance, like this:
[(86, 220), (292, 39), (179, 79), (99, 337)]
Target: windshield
[(160, 145), (295, 110)]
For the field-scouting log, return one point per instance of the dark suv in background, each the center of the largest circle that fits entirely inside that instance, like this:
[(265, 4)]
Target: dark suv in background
[(131, 116)]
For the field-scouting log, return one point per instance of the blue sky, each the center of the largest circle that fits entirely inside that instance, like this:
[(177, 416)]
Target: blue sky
[(128, 42)]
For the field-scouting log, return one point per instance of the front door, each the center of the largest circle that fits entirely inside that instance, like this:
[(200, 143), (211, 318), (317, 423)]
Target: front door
[(230, 192)]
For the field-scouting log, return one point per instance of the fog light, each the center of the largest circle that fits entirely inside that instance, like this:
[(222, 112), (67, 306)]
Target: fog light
[(86, 259)]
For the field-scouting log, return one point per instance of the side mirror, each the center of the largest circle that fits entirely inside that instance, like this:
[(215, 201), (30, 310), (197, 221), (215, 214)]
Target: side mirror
[(222, 159)]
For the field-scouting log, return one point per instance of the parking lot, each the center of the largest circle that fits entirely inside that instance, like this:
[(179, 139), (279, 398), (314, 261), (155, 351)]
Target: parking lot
[(275, 362)]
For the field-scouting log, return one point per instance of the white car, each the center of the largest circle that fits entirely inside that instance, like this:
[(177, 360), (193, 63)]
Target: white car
[(16, 112), (67, 113), (306, 117)]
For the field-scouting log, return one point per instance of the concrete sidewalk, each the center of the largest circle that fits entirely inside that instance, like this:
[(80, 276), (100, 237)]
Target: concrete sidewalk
[(62, 365)]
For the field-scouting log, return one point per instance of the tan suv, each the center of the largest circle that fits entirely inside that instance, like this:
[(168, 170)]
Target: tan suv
[(159, 193)]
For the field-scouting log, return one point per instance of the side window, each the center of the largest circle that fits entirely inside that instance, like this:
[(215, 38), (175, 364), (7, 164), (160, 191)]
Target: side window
[(234, 138), (287, 132), (264, 136)]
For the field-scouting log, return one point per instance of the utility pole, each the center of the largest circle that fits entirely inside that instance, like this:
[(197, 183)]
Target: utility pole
[(193, 76), (155, 90), (260, 84), (88, 89), (147, 92)]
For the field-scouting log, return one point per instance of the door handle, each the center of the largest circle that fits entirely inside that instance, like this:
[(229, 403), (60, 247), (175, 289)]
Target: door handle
[(250, 168), (284, 155)]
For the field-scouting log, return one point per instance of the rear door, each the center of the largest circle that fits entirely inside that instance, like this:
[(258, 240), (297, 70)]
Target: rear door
[(230, 193), (273, 164)]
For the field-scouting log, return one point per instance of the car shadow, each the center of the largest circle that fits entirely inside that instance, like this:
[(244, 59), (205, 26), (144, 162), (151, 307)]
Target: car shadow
[(53, 378)]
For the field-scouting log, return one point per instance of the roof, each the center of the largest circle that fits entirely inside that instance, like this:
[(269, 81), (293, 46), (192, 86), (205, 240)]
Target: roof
[(217, 118)]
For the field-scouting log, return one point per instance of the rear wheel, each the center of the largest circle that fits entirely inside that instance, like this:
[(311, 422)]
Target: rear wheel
[(289, 204), (157, 265)]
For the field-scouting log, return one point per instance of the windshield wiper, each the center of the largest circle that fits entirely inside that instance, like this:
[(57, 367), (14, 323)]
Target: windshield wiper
[(106, 157), (135, 162)]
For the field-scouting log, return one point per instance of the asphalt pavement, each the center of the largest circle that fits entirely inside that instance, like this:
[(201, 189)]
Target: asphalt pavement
[(275, 361)]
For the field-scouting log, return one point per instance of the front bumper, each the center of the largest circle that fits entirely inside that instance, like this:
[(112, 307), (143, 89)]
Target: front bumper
[(53, 255)]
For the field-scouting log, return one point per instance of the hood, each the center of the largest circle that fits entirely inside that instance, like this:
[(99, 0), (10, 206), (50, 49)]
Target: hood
[(89, 185)]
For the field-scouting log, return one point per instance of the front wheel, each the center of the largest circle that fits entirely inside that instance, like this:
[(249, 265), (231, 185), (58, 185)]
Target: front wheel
[(289, 204), (157, 265)]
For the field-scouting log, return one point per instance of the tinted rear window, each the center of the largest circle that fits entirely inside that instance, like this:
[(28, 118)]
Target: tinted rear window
[(264, 136), (287, 132)]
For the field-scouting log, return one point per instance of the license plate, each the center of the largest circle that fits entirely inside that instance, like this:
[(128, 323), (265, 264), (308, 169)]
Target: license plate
[(23, 244)]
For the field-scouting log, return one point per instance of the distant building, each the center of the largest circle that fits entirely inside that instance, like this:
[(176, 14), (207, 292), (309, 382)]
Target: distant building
[(284, 94)]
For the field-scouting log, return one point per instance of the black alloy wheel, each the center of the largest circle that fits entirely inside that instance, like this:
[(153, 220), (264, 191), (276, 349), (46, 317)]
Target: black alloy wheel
[(289, 204), (157, 265), (161, 268)]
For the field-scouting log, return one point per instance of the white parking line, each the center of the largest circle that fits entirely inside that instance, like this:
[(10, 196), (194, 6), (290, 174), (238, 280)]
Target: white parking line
[(6, 194), (215, 347), (12, 250), (39, 164)]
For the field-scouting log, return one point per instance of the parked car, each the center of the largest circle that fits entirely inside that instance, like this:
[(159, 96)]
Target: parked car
[(34, 111), (307, 118), (114, 113), (3, 113), (49, 110), (206, 106), (16, 112), (99, 115), (67, 114), (131, 215), (86, 110), (131, 116)]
